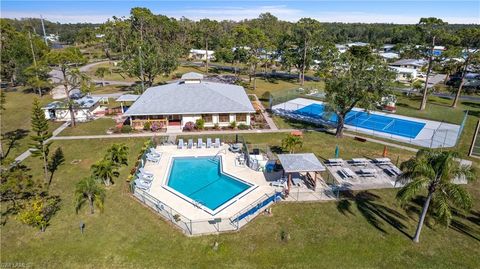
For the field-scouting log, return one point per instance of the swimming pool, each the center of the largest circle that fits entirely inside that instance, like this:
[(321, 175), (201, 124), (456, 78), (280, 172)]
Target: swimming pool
[(362, 119), (201, 179)]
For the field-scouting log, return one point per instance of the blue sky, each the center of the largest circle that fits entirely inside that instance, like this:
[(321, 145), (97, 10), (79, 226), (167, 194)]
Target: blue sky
[(407, 11)]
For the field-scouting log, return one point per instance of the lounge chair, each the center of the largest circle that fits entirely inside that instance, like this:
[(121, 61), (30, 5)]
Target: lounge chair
[(144, 177), (190, 144), (209, 143), (217, 143), (152, 158), (155, 153), (335, 162), (145, 172), (180, 144), (199, 143), (279, 183), (142, 184)]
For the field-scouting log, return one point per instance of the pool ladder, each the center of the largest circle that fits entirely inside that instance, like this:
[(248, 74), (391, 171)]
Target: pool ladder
[(218, 153)]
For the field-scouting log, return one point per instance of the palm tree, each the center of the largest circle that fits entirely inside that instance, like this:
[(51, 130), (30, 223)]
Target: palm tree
[(291, 142), (433, 171), (104, 170), (118, 154), (88, 190), (101, 72)]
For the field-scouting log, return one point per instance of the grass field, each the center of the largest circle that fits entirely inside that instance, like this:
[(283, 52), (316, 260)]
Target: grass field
[(96, 127), (369, 230), (16, 118)]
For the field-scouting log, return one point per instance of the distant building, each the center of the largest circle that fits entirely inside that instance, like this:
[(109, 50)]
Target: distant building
[(357, 44), (52, 38), (389, 55), (85, 109), (404, 74), (198, 54), (438, 50), (409, 63), (100, 35), (341, 48), (388, 48)]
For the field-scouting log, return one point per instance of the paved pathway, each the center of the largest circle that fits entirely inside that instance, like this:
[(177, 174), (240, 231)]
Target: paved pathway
[(265, 114), (28, 152), (172, 133)]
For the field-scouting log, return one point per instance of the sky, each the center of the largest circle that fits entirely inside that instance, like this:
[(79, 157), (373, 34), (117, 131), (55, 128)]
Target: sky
[(402, 12)]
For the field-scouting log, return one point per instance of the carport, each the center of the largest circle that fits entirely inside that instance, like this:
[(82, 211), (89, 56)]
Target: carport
[(301, 163)]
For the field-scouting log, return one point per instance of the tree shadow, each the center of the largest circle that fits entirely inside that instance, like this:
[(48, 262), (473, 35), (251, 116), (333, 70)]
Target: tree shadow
[(376, 213), (464, 228), (471, 104), (11, 138)]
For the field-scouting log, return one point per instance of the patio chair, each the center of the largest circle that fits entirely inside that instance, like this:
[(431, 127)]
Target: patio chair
[(144, 177), (199, 143), (180, 144), (209, 143), (142, 184), (145, 172), (152, 158), (279, 183), (190, 143), (217, 142), (155, 153)]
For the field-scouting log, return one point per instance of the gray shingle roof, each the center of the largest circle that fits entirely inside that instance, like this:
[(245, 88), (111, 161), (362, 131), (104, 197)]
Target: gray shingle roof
[(196, 98), (301, 162)]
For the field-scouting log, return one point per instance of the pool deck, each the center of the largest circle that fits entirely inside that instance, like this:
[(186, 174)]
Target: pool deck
[(160, 170), (434, 134)]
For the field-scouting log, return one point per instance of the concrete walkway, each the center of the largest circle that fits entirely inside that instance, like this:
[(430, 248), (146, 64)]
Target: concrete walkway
[(393, 145), (28, 152), (172, 133), (265, 114)]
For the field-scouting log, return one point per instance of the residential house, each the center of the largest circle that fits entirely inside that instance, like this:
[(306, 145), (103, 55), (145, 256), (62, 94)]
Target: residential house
[(196, 54), (409, 63), (189, 99), (404, 74), (85, 109)]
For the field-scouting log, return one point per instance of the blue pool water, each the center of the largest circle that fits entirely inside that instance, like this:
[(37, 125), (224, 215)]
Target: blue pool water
[(362, 119), (201, 180)]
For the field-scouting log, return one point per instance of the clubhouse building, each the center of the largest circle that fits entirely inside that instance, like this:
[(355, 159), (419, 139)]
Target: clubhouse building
[(189, 99)]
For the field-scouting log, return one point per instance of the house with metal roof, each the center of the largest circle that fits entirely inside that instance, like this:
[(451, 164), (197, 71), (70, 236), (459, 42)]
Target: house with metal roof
[(84, 109), (409, 63), (189, 99)]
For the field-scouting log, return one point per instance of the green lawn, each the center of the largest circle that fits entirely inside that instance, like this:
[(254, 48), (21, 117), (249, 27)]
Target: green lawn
[(16, 117), (371, 230), (95, 127)]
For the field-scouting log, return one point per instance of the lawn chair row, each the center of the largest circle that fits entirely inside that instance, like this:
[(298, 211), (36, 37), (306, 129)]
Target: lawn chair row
[(144, 179), (199, 143)]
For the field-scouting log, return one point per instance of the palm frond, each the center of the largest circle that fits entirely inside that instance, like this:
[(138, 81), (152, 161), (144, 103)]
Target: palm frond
[(411, 189)]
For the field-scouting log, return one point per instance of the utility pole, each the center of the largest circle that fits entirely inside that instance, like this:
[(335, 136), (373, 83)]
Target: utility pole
[(141, 67), (34, 61), (44, 33)]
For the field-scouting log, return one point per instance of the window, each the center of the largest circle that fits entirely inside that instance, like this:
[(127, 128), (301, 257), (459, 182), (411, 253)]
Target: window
[(207, 117), (224, 118), (241, 117)]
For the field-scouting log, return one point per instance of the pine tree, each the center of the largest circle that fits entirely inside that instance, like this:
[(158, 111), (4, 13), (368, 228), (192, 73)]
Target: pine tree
[(40, 137)]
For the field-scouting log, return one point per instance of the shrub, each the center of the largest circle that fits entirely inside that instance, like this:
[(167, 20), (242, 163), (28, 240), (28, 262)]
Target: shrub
[(157, 126), (38, 212), (216, 126), (243, 126), (126, 129), (233, 124), (200, 124), (189, 126), (265, 96), (147, 126)]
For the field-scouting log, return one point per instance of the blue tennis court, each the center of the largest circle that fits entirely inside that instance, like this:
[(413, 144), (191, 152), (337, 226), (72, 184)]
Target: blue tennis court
[(362, 119)]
